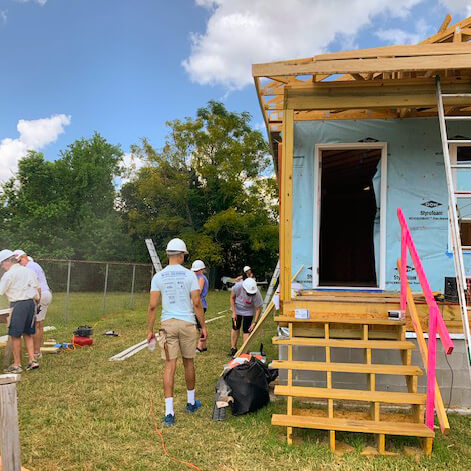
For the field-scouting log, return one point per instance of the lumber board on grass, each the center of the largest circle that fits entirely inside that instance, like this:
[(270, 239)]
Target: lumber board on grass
[(351, 425), (348, 367), (345, 343), (129, 352), (339, 318), (351, 395)]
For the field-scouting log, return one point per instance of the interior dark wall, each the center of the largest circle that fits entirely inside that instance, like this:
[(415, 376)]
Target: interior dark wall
[(348, 209)]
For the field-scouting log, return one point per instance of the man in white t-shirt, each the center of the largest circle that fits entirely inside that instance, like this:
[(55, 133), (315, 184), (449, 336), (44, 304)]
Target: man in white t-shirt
[(44, 300), (21, 288), (177, 289)]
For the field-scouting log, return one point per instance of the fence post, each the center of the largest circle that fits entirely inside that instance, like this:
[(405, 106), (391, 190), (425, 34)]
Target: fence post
[(105, 288), (68, 292), (9, 434), (131, 304)]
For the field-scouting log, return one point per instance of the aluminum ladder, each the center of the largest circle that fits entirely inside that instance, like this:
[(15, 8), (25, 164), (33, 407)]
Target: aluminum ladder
[(153, 255), (271, 286), (453, 209)]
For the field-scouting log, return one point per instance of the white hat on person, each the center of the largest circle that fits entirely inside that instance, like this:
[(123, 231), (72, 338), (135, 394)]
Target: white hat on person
[(246, 268), (250, 285), (176, 246), (4, 254), (198, 265), (18, 253)]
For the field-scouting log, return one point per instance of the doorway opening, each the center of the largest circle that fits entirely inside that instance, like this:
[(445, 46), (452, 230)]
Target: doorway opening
[(349, 217)]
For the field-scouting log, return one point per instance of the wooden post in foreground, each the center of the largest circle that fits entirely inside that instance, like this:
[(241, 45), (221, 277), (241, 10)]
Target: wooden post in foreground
[(9, 435)]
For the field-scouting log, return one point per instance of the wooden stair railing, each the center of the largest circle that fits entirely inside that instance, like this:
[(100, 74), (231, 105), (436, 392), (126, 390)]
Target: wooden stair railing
[(435, 320)]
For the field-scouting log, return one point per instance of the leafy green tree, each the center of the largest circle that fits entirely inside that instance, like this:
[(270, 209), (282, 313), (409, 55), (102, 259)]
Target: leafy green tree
[(66, 208), (210, 185)]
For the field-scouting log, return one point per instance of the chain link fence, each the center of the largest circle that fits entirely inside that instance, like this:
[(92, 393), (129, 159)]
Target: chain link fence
[(85, 291)]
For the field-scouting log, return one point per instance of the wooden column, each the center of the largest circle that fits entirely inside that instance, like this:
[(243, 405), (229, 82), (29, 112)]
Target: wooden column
[(330, 402), (289, 404), (9, 435), (286, 192)]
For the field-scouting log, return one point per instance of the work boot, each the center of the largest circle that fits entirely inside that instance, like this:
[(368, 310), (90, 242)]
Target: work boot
[(193, 407)]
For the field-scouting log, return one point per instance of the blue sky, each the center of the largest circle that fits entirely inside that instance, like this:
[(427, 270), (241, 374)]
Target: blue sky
[(116, 66)]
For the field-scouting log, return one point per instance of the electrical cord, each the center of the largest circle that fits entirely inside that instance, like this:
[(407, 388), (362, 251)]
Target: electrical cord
[(159, 433), (451, 385)]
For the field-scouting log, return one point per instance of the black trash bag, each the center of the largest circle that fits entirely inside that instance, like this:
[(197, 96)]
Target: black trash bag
[(249, 384)]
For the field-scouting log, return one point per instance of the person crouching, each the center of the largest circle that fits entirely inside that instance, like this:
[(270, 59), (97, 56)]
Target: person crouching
[(20, 286)]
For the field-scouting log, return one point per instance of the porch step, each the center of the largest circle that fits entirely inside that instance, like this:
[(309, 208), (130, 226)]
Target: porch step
[(339, 318), (348, 367), (350, 425), (345, 343), (351, 395)]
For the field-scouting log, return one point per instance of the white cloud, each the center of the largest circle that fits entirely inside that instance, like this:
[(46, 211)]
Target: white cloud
[(240, 33), (457, 5), (3, 16), (40, 2), (33, 135), (400, 36)]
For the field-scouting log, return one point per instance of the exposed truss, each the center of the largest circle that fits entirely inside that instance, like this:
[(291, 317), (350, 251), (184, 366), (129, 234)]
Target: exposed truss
[(447, 53)]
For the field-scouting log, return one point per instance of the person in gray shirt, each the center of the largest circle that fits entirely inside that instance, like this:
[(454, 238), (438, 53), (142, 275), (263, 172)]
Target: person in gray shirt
[(246, 305)]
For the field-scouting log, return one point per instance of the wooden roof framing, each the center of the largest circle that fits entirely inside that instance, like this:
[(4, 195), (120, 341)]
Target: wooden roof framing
[(385, 82)]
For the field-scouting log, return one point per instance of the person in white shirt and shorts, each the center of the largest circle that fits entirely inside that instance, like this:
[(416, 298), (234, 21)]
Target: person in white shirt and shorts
[(177, 289), (21, 287), (44, 300)]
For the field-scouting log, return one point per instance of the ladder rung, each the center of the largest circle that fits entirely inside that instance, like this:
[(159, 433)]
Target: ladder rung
[(459, 141), (456, 95), (458, 118), (463, 194), (457, 166)]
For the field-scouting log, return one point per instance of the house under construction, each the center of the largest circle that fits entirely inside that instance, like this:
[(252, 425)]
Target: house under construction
[(355, 136)]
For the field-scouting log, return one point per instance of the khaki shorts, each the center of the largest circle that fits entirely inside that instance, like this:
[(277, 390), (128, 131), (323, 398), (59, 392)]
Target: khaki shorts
[(182, 338), (46, 298)]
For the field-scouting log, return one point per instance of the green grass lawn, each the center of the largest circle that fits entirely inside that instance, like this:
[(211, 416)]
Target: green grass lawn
[(83, 412)]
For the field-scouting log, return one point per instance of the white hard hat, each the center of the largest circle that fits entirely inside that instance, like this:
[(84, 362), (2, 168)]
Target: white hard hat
[(246, 268), (250, 285), (177, 245), (198, 265), (18, 253), (4, 254)]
